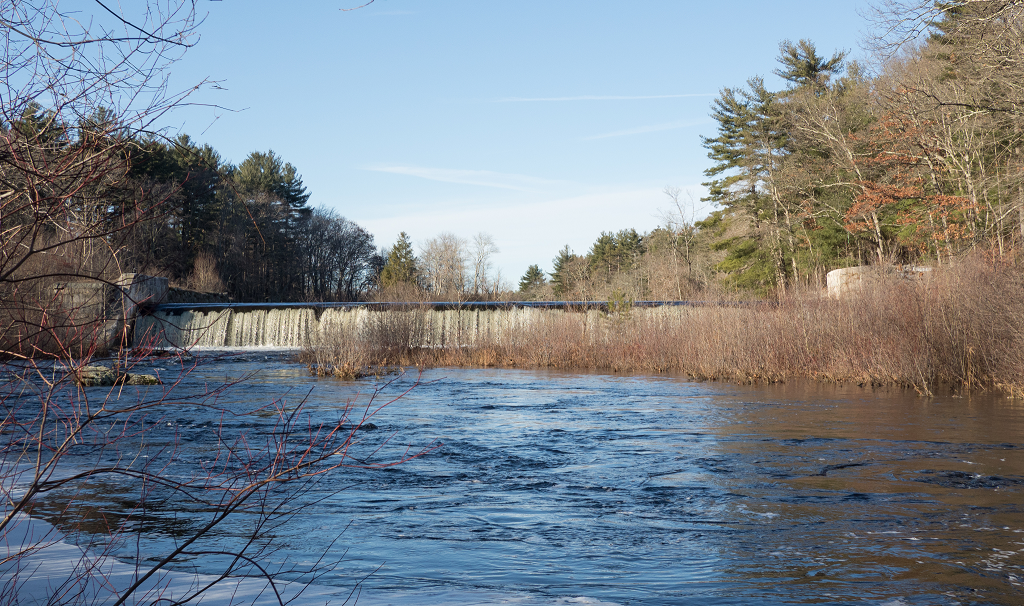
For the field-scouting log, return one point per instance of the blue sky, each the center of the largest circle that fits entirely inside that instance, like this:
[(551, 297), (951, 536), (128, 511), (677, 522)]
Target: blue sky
[(541, 123)]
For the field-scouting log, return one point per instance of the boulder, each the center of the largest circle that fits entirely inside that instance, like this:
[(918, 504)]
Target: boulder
[(143, 380), (101, 376)]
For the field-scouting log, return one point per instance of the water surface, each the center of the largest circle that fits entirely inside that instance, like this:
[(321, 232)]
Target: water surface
[(643, 490)]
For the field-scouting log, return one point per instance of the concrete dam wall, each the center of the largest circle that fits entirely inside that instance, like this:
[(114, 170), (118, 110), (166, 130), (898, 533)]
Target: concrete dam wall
[(296, 327)]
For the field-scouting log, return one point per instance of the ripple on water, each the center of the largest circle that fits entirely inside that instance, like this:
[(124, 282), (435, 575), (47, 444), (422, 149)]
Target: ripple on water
[(652, 490)]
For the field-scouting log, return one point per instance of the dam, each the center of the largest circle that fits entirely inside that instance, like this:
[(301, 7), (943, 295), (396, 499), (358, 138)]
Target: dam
[(294, 325), (143, 311)]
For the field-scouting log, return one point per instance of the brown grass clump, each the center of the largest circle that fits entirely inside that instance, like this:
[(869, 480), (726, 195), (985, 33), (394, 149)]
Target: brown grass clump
[(963, 326)]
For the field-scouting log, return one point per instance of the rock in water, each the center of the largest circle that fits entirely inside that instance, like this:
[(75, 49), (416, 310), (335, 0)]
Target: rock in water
[(143, 380), (101, 376), (96, 376)]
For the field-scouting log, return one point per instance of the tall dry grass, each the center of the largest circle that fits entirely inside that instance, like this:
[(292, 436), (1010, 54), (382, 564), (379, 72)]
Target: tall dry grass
[(963, 326)]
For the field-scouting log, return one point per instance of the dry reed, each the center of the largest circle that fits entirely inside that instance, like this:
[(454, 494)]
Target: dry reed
[(963, 327)]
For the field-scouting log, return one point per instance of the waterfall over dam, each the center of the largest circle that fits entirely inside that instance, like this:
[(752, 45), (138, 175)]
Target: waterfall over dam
[(296, 325)]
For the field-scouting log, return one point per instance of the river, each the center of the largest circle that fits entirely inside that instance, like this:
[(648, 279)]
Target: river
[(554, 488)]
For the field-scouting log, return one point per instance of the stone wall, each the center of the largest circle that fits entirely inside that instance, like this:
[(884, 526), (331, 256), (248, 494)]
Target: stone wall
[(850, 280), (111, 307), (84, 301)]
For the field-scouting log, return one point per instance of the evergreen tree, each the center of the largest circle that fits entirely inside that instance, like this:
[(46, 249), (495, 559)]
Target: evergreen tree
[(728, 149), (268, 173), (750, 153), (268, 216), (259, 172), (293, 192), (613, 253), (198, 200), (802, 67), (189, 180), (559, 277), (533, 278), (40, 125), (401, 264)]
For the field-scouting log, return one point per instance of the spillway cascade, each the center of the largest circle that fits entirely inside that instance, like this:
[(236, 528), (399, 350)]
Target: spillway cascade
[(298, 327)]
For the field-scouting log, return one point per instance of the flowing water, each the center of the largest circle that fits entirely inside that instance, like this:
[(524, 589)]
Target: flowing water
[(553, 488), (251, 326)]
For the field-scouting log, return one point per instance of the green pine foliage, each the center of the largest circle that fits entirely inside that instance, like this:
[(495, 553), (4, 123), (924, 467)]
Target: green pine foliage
[(802, 67), (614, 253), (533, 278), (559, 276), (400, 267)]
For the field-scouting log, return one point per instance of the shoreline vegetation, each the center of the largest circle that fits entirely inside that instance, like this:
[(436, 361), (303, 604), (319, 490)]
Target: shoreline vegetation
[(962, 328)]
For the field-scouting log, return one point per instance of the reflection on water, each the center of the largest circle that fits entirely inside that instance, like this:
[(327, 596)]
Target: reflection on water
[(100, 508), (655, 490), (881, 491)]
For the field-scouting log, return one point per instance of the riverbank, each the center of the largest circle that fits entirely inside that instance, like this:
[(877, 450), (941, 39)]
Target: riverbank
[(964, 327)]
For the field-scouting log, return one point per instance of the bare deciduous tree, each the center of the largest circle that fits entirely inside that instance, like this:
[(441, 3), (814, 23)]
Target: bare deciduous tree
[(681, 221), (483, 248), (78, 92), (443, 268)]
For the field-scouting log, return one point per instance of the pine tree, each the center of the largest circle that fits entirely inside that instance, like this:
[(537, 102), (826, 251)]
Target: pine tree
[(401, 264), (613, 253), (268, 173), (533, 278), (272, 214), (559, 279), (802, 67), (727, 150), (750, 153)]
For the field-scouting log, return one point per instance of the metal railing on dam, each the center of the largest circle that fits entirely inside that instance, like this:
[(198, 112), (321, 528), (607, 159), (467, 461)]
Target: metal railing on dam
[(453, 305)]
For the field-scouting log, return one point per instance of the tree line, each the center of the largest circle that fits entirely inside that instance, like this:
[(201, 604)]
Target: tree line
[(175, 208), (248, 230), (916, 160), (667, 263)]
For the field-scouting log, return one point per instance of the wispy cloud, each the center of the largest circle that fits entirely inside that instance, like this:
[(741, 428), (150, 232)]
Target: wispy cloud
[(652, 128), (600, 98), (482, 178), (529, 231)]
